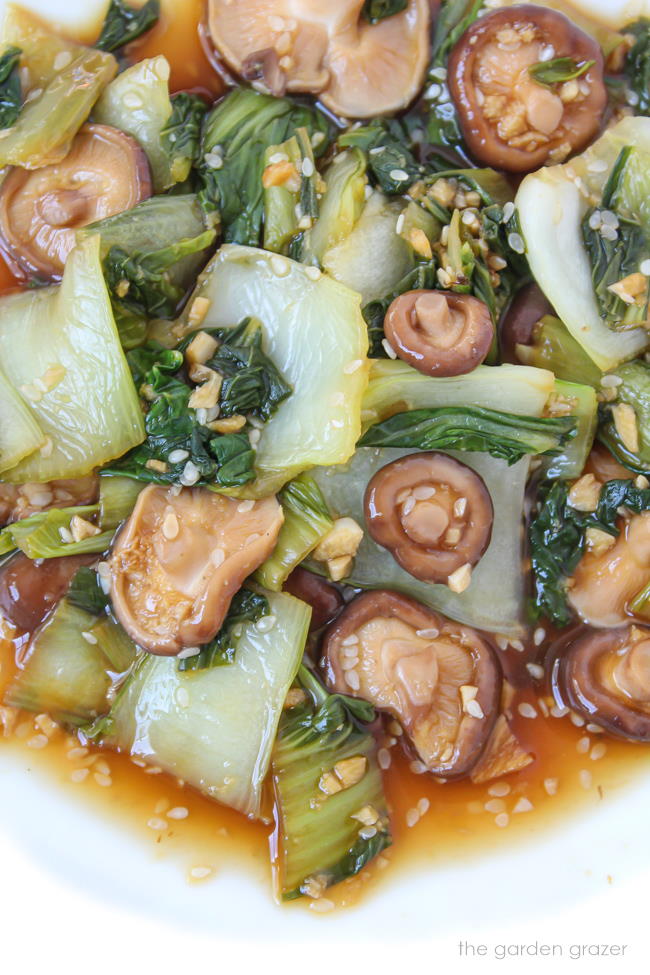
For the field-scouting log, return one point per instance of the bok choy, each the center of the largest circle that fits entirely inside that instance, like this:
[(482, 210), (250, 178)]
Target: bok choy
[(124, 23), (20, 434), (218, 735), (331, 815), (77, 385)]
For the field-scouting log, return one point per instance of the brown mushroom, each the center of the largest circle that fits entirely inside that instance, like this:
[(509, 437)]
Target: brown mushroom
[(510, 120), (439, 679), (30, 590), (440, 333), (358, 69), (324, 598), (180, 559), (503, 755), (611, 573), (104, 173), (433, 513), (605, 676), (21, 500)]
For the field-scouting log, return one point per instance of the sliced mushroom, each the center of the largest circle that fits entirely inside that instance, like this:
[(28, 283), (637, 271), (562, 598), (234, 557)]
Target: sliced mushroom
[(610, 575), (439, 679), (438, 332), (181, 558), (508, 119), (605, 676), (30, 590), (21, 500), (503, 755), (104, 173), (358, 69), (432, 512), (605, 467), (324, 598)]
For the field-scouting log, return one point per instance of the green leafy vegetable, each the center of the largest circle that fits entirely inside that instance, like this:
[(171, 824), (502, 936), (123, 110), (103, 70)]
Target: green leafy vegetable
[(553, 347), (318, 838), (86, 593), (503, 435), (237, 132), (375, 10), (117, 497), (140, 281), (222, 743), (557, 70), (65, 80), (292, 204), (89, 410), (340, 207), (423, 275), (637, 64), (385, 143), (247, 606), (442, 127), (10, 88), (635, 391), (581, 402), (20, 434), (181, 137), (252, 384), (42, 535), (306, 521), (124, 23), (172, 426), (557, 539)]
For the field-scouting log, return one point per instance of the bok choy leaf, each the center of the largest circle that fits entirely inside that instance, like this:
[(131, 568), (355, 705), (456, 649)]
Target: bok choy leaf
[(247, 606), (11, 97), (77, 383), (20, 434), (331, 813), (124, 23), (46, 534), (504, 435), (64, 80), (637, 64), (181, 137), (376, 10)]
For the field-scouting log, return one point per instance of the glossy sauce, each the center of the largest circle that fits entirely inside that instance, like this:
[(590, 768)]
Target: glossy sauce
[(566, 777)]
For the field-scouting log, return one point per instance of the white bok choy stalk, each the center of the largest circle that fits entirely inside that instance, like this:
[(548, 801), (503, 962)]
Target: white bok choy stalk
[(315, 335), (61, 349)]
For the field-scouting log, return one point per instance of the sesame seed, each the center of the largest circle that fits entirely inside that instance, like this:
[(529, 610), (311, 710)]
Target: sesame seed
[(79, 775), (190, 475), (388, 349), (418, 768), (352, 680), (412, 817), (644, 267), (499, 789), (350, 640), (157, 824), (474, 709), (585, 778), (89, 637), (245, 506), (523, 805), (502, 820), (367, 832), (102, 766), (170, 526), (322, 906), (577, 720), (495, 806), (280, 266), (265, 623), (38, 741), (508, 211), (161, 806), (535, 670), (200, 873), (539, 636), (213, 160), (423, 806), (398, 175), (527, 710), (551, 786), (178, 456), (460, 506), (313, 273), (594, 729), (77, 752), (178, 812), (557, 712), (182, 696), (408, 506), (103, 780), (188, 652), (516, 242), (583, 745), (383, 758), (352, 366), (598, 751), (428, 634), (399, 226)]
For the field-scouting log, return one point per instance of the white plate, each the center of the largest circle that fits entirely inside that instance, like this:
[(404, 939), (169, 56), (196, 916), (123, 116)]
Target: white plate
[(75, 889)]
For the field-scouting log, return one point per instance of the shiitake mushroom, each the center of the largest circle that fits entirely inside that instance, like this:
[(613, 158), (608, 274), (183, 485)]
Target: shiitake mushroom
[(105, 172), (440, 333), (432, 512), (518, 323), (29, 589), (604, 675), (180, 559), (439, 679), (509, 119), (324, 598)]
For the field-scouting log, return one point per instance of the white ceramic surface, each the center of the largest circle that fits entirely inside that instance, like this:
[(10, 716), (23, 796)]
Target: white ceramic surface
[(75, 889)]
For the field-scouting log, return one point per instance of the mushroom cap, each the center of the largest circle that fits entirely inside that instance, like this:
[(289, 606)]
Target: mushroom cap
[(605, 676), (439, 333), (30, 590), (604, 584), (509, 120), (518, 323), (432, 512), (324, 597), (105, 172), (440, 679), (359, 69), (180, 559)]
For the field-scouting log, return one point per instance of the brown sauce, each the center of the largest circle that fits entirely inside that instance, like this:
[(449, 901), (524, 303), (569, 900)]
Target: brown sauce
[(566, 777)]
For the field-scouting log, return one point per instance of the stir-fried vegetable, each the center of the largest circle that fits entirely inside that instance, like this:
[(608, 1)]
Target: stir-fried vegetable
[(246, 607), (10, 87), (221, 742), (331, 815), (124, 23)]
